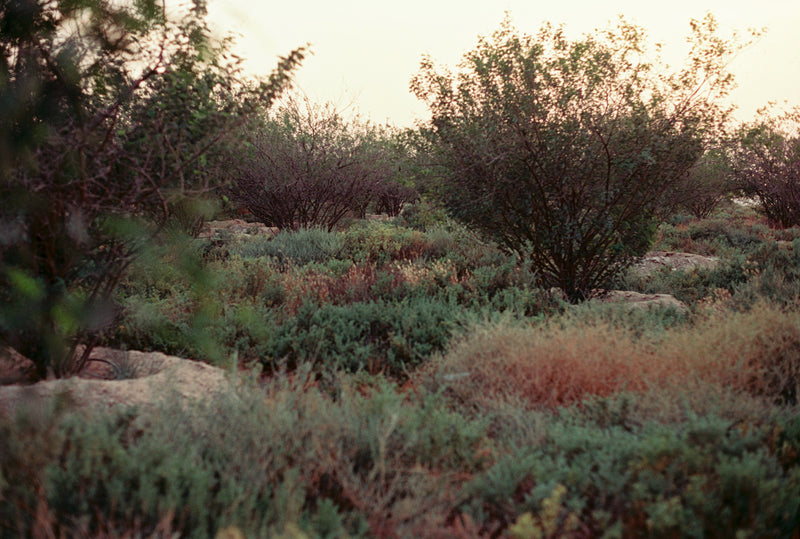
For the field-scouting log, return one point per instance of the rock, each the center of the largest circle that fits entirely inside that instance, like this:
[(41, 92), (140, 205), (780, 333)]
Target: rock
[(15, 368), (153, 377), (654, 261), (643, 301), (238, 227)]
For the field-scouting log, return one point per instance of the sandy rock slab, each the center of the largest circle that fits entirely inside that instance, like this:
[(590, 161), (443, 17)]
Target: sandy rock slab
[(149, 378), (655, 260), (637, 300), (235, 227)]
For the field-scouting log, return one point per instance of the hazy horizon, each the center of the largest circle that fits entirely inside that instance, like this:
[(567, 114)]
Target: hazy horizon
[(365, 53)]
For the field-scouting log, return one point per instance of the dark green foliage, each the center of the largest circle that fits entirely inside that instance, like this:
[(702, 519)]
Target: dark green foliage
[(85, 164), (266, 461), (375, 336), (708, 477)]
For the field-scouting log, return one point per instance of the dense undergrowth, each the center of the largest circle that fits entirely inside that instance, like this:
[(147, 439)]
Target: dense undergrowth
[(414, 381)]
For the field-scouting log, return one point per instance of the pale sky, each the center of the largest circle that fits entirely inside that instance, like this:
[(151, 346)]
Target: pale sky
[(366, 51)]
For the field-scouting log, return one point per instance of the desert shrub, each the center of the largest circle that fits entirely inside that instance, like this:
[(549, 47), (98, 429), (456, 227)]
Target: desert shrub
[(80, 178), (391, 197), (706, 478), (707, 184), (777, 278), (572, 357), (379, 243), (566, 150), (422, 215), (192, 470), (371, 462), (691, 286), (374, 336), (308, 166), (743, 237), (544, 366), (757, 352), (29, 442), (299, 247), (767, 165)]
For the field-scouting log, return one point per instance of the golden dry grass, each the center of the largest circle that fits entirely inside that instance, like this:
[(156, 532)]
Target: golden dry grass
[(553, 365)]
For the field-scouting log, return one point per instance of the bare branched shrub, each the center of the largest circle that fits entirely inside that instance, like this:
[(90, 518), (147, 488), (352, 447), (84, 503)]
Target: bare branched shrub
[(767, 165), (708, 183), (310, 167), (392, 196)]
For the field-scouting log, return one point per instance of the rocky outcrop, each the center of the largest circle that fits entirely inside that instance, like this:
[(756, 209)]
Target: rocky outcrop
[(656, 260), (149, 377), (643, 301), (235, 227)]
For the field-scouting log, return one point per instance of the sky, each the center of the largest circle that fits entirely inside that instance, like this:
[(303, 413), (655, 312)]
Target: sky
[(365, 52)]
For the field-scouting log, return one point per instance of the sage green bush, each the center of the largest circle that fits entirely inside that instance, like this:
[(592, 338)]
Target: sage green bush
[(707, 477), (281, 459), (376, 336)]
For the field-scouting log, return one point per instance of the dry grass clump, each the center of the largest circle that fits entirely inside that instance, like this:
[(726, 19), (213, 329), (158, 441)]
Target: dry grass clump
[(757, 352), (546, 365), (558, 364)]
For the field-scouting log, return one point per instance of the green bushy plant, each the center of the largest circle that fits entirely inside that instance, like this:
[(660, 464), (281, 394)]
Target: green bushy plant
[(86, 163), (379, 243), (298, 247), (705, 477), (281, 459), (375, 336)]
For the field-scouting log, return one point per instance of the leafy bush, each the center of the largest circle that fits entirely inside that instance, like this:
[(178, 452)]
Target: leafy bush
[(566, 150), (367, 462), (707, 184), (379, 243), (78, 173), (299, 247)]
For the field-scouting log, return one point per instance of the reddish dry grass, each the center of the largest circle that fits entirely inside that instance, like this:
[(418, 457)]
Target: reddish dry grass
[(550, 366), (353, 286)]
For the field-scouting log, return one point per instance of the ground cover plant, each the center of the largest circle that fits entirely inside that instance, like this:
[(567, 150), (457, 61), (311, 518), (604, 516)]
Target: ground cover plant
[(569, 421), (411, 376)]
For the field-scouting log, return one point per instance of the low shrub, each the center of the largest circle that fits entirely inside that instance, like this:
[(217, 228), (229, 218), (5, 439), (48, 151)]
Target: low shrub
[(544, 366), (283, 460), (298, 247), (690, 285), (709, 477), (375, 336), (377, 243)]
